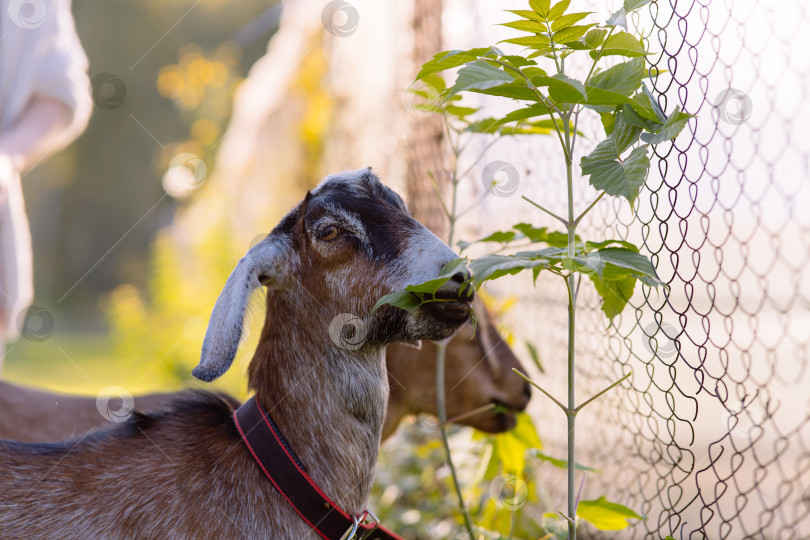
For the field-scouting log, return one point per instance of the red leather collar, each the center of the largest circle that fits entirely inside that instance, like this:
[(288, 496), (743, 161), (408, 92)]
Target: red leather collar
[(288, 475)]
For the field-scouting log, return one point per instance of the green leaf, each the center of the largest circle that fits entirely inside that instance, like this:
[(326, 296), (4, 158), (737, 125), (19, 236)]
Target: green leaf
[(619, 262), (531, 232), (568, 20), (608, 121), (535, 357), (632, 5), (673, 125), (479, 75), (594, 37), (619, 178), (517, 61), (485, 125), (552, 254), (653, 103), (541, 127), (621, 138), (560, 463), (590, 246), (615, 293), (526, 14), (412, 296), (622, 44), (600, 97), (618, 19), (624, 78), (511, 446), (494, 266), (562, 89), (511, 90), (572, 33), (401, 299), (605, 515), (642, 105), (503, 237), (634, 119), (558, 9), (531, 111), (533, 42), (527, 26), (525, 431), (450, 59), (460, 112), (540, 7)]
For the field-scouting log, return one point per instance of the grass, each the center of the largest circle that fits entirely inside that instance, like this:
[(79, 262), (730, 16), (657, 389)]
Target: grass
[(85, 364)]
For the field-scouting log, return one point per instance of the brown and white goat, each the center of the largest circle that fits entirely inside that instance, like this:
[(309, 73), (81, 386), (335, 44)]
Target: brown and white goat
[(478, 373), (185, 472)]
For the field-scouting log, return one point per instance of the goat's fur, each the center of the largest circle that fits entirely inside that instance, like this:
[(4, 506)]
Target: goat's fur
[(185, 473)]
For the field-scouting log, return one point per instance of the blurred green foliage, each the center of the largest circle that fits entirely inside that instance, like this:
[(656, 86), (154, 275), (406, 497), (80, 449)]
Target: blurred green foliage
[(95, 207)]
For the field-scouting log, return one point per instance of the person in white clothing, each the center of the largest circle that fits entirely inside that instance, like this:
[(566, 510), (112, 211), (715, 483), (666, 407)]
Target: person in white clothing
[(45, 103)]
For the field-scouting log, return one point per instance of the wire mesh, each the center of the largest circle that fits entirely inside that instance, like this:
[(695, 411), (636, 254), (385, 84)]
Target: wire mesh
[(709, 438)]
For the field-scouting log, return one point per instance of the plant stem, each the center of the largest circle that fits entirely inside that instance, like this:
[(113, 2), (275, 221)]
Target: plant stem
[(442, 411), (441, 404), (549, 212), (581, 405), (572, 305), (473, 412), (531, 382), (582, 215)]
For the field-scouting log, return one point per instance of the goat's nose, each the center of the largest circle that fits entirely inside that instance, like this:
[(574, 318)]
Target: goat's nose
[(461, 276)]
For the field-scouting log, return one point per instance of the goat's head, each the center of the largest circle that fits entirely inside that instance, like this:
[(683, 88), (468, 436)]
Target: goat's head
[(350, 242)]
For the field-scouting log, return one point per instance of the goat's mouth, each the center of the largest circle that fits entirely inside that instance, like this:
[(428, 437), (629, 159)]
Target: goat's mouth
[(494, 417), (456, 311), (505, 417)]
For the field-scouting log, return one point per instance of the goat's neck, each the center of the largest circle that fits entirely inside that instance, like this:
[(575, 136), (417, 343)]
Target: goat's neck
[(328, 402)]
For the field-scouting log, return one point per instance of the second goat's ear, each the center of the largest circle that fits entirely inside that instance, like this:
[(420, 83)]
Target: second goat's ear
[(260, 266)]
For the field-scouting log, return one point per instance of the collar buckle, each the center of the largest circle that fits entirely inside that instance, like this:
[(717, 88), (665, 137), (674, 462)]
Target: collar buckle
[(366, 517)]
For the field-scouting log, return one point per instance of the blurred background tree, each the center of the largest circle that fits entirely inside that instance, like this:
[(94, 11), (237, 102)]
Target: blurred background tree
[(179, 63)]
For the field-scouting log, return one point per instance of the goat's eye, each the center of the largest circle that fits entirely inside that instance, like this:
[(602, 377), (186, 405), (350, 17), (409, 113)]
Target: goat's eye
[(328, 233)]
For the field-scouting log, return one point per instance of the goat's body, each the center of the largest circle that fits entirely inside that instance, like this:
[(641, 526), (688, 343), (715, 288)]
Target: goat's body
[(32, 415), (205, 484), (185, 473)]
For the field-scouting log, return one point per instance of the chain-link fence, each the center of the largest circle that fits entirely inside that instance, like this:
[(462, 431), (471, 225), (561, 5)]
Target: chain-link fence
[(709, 437)]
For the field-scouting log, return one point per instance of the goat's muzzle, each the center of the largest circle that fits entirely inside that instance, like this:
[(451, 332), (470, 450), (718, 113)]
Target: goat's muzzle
[(455, 298)]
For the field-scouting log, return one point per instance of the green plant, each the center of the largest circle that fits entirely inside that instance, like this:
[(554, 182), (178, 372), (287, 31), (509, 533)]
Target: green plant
[(617, 166)]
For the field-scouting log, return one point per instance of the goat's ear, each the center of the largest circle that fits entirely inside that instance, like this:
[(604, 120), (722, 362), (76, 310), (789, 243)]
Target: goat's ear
[(260, 266)]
